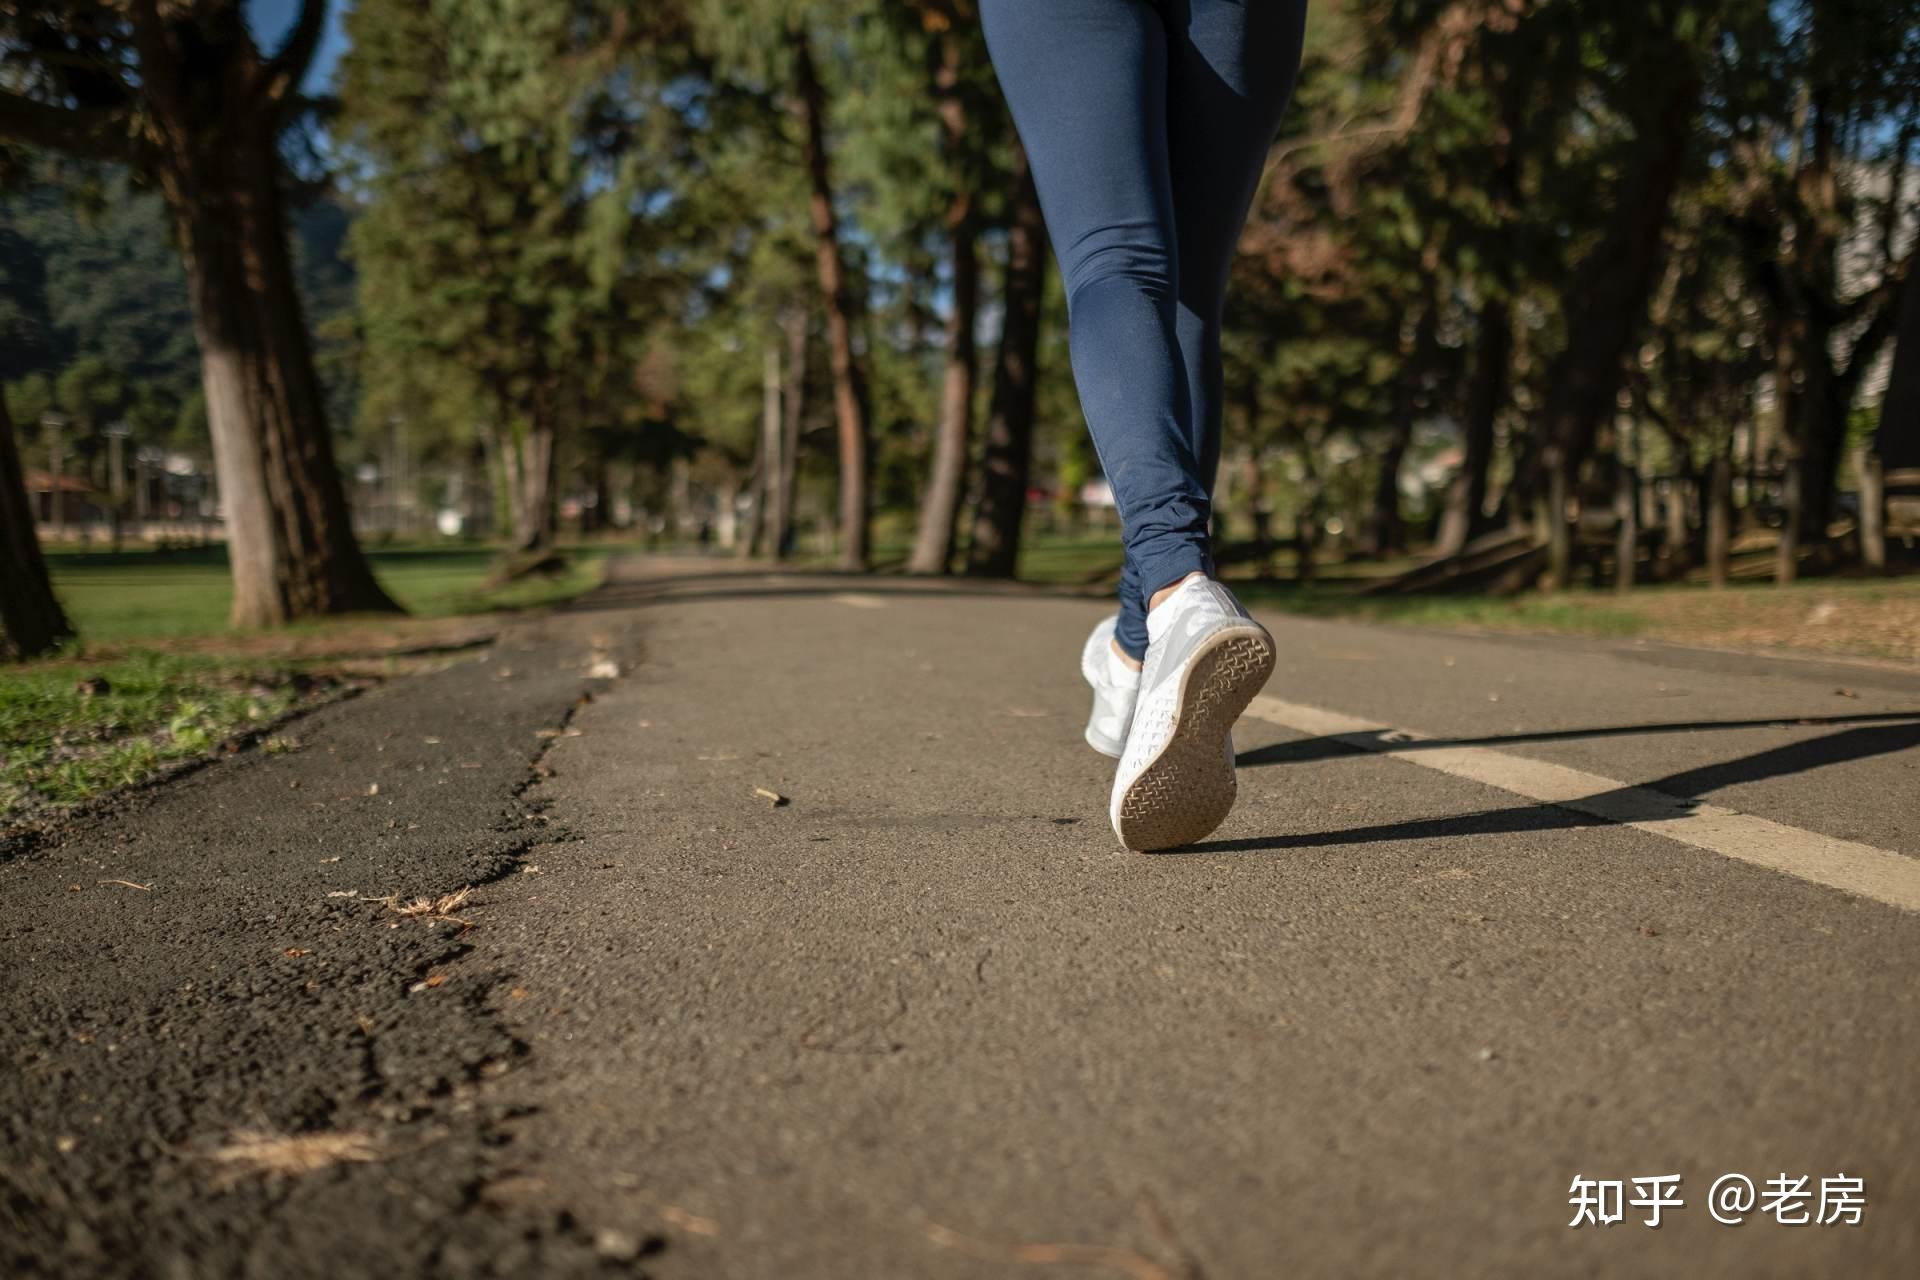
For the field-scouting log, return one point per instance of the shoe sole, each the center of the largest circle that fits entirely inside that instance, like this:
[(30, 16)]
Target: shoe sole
[(1184, 793)]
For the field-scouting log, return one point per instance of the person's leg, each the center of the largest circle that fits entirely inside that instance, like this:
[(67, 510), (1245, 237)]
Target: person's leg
[(1230, 72), (1087, 84)]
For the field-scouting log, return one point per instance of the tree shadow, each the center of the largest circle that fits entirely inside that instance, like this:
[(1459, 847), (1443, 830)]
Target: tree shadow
[(1334, 746), (1675, 795)]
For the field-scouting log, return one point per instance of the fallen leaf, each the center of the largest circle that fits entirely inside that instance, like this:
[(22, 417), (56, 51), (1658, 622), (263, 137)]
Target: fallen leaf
[(271, 1155), (615, 1245), (297, 952), (693, 1223), (434, 980)]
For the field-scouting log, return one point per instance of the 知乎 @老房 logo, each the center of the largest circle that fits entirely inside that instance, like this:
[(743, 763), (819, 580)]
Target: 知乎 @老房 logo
[(1790, 1201)]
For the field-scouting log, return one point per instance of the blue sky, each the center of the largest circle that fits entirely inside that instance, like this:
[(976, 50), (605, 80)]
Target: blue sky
[(272, 19)]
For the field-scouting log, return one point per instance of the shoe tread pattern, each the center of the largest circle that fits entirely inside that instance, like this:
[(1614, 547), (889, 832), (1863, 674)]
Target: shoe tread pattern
[(1187, 790)]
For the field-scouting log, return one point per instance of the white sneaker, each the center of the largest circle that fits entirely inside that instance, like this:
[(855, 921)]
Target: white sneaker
[(1114, 686), (1206, 659)]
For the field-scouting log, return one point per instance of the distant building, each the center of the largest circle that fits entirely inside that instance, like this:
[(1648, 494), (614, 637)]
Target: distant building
[(65, 501)]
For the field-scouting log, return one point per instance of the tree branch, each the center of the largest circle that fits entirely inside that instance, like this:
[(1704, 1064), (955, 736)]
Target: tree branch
[(100, 133), (289, 66), (159, 69), (1866, 347), (1881, 298)]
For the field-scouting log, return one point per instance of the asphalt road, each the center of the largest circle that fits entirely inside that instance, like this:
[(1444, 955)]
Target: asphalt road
[(924, 1017)]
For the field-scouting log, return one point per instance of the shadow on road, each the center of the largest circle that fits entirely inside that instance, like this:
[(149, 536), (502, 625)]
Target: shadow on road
[(1310, 749), (1870, 737)]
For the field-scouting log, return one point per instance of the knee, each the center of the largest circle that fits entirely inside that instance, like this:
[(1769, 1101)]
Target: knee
[(1130, 256)]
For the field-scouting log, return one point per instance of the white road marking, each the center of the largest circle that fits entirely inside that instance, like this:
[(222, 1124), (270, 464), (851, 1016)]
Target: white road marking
[(1851, 867), (858, 601)]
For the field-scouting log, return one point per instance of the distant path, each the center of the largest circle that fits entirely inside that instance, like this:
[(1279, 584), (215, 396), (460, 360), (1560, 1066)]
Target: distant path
[(1492, 913)]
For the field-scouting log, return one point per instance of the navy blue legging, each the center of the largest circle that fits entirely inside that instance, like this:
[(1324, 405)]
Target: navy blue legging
[(1147, 123)]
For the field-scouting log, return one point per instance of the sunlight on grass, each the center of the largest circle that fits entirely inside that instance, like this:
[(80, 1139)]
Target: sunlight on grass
[(108, 713), (138, 595), (71, 729)]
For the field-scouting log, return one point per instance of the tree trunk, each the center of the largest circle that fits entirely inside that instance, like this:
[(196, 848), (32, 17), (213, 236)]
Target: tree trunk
[(792, 405), (1898, 439), (766, 482), (1816, 436), (940, 506), (1306, 536), (1463, 520), (680, 517), (1559, 530), (1678, 540), (527, 456), (31, 619), (1793, 488), (57, 471), (1609, 296), (849, 391), (1873, 510), (1626, 514), (1006, 465), (1386, 531), (289, 535), (1306, 522), (726, 512), (1255, 479), (602, 509), (1719, 519), (499, 490)]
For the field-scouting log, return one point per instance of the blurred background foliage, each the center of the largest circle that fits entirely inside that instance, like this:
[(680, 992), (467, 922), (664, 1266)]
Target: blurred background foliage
[(1535, 291)]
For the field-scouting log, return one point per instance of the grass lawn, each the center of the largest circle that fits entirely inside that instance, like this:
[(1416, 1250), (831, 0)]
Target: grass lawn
[(157, 676), (66, 738), (1840, 616), (144, 595)]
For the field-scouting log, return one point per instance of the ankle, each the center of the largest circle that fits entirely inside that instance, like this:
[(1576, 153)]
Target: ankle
[(1161, 596), (1133, 663)]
